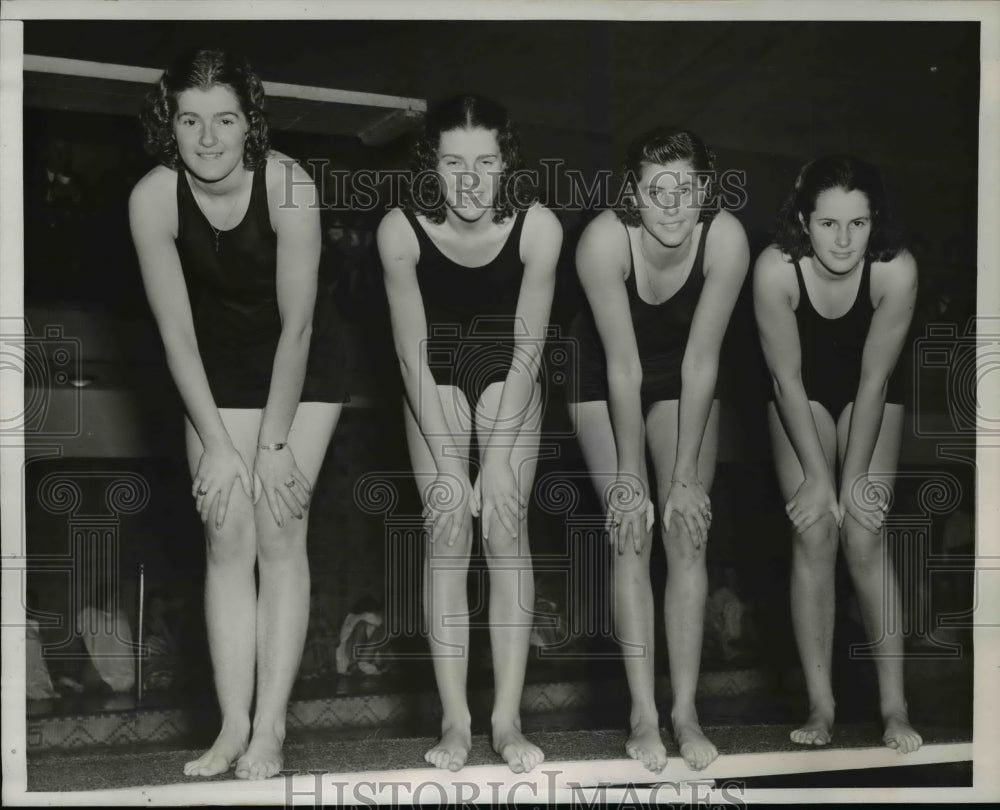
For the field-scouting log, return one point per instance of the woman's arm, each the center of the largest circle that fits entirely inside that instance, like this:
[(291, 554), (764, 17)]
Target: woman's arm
[(540, 244), (153, 221), (601, 258), (293, 205), (779, 337), (886, 335), (399, 252), (294, 210), (727, 257)]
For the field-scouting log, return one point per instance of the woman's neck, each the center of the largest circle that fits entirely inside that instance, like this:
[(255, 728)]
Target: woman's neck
[(664, 257), (466, 228), (232, 183)]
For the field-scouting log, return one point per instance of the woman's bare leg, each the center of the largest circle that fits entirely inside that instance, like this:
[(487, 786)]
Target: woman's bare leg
[(283, 599), (875, 582), (814, 560), (230, 600), (687, 580), (633, 593), (445, 595), (512, 587)]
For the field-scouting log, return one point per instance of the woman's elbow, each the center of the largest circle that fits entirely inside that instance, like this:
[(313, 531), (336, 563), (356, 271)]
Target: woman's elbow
[(695, 367), (625, 374), (408, 364), (179, 344), (782, 383), (875, 385), (299, 333)]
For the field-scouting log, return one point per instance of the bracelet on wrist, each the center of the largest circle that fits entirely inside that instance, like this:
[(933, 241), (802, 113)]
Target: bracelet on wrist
[(684, 483), (272, 446)]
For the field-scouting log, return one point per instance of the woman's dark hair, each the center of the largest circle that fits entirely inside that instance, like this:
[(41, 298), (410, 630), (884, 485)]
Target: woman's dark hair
[(515, 189), (203, 70), (658, 147), (850, 174)]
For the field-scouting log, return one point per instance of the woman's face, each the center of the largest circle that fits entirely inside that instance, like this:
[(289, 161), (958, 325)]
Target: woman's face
[(210, 128), (839, 228), (470, 164), (669, 200)]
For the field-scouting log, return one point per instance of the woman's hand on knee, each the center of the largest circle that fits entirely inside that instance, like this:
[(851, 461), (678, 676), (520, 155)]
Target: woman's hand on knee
[(865, 501), (449, 506), (278, 478), (496, 494), (218, 468), (691, 503), (630, 514), (813, 499)]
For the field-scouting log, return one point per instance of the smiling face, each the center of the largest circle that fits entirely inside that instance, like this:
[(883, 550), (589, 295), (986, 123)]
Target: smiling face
[(210, 127), (668, 201), (470, 164), (839, 228)]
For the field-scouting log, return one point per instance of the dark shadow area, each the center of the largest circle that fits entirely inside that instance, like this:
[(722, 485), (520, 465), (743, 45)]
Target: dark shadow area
[(951, 774)]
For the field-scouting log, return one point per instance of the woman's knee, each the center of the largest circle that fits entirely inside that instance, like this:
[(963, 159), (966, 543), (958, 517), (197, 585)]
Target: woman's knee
[(501, 543), (861, 547), (630, 569), (233, 544), (276, 543), (443, 546), (681, 546), (820, 539)]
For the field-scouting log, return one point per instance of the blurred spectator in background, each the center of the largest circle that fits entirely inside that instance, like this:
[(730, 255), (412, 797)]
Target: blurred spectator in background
[(726, 618), (106, 633), (59, 184), (53, 198), (348, 263)]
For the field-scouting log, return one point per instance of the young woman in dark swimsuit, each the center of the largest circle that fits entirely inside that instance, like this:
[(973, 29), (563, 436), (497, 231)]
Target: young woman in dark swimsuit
[(470, 274), (834, 297), (229, 259), (662, 276)]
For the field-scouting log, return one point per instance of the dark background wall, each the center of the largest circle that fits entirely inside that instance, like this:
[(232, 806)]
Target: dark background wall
[(765, 94)]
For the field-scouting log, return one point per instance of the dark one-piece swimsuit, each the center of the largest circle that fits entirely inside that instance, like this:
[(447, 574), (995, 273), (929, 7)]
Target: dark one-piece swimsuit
[(661, 335), (470, 312), (234, 304), (832, 348)]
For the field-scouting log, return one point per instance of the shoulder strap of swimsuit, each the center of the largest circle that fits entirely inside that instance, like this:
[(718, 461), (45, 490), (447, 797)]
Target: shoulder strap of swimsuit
[(513, 241), (866, 282), (183, 189), (699, 259), (633, 289), (258, 199), (423, 240), (803, 295)]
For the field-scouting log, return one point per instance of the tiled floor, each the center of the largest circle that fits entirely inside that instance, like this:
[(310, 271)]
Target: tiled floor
[(392, 707), (939, 694)]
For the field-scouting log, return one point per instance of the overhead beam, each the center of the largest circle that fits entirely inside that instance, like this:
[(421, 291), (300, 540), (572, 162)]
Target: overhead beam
[(141, 75)]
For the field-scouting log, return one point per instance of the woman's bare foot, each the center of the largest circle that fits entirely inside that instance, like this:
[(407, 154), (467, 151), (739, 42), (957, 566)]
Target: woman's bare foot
[(263, 758), (696, 749), (645, 745), (231, 742), (899, 734), (520, 754), (453, 749), (818, 729)]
